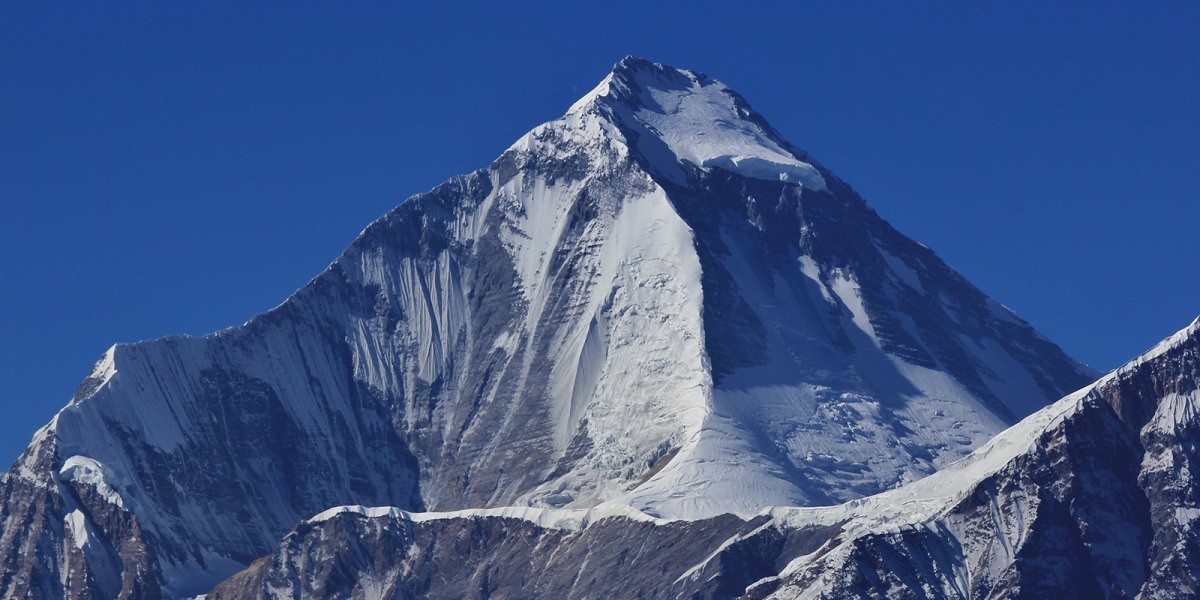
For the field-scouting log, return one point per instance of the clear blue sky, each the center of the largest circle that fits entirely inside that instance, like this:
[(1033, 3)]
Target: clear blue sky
[(179, 167)]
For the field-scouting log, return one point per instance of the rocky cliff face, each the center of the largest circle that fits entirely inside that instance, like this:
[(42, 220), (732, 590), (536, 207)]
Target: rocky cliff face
[(544, 553), (655, 302)]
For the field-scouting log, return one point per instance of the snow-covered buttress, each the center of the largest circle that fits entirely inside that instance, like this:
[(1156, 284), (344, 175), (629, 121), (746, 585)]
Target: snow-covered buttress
[(655, 301)]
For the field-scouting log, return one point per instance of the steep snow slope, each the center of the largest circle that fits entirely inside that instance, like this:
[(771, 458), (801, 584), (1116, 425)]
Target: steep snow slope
[(846, 358), (655, 300)]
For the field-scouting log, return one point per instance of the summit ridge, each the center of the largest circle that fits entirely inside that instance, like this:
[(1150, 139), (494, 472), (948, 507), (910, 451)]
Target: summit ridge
[(690, 116)]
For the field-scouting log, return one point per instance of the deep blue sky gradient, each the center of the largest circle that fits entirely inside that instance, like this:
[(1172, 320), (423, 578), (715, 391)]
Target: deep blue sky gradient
[(178, 168)]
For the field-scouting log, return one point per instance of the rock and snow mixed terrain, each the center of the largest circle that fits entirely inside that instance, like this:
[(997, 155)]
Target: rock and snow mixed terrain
[(654, 307), (1091, 497)]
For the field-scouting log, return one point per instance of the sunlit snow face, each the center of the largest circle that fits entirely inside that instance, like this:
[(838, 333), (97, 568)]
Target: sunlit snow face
[(702, 122), (702, 125)]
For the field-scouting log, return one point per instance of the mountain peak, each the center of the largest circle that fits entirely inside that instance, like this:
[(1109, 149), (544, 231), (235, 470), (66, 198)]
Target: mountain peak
[(678, 118), (633, 70), (647, 304)]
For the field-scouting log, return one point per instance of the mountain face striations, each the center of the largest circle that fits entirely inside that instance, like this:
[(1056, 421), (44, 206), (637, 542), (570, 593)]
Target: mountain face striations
[(643, 317), (1092, 497)]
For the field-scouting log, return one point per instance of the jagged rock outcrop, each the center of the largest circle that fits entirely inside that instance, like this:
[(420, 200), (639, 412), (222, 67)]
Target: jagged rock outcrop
[(386, 554)]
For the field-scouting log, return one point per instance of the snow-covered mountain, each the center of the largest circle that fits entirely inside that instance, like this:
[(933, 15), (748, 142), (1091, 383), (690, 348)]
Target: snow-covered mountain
[(655, 302), (1091, 497)]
